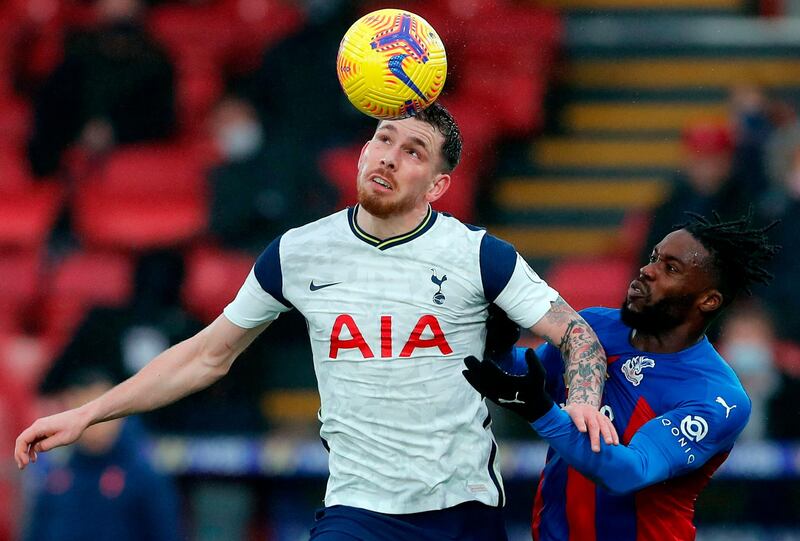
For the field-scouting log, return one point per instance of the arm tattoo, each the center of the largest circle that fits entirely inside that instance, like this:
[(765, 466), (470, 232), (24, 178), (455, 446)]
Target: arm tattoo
[(585, 358)]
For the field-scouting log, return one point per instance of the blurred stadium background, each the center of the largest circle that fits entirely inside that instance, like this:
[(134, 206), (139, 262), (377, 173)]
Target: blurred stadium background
[(149, 150)]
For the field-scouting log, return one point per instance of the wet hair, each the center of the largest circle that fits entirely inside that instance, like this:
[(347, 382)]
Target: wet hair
[(440, 118), (738, 251)]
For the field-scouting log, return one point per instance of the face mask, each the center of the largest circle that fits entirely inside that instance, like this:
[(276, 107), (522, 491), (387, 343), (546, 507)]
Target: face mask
[(241, 140), (749, 359)]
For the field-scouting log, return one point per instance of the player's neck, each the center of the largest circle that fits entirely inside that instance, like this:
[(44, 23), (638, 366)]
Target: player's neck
[(392, 226), (669, 341)]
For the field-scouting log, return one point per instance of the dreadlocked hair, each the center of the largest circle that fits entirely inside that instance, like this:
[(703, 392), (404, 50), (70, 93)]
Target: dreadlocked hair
[(738, 251)]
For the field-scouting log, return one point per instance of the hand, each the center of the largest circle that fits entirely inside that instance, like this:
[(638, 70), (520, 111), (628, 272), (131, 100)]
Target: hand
[(587, 418), (501, 333), (522, 394), (47, 433)]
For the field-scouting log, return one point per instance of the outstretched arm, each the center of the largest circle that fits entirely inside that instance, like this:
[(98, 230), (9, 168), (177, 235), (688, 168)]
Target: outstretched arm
[(620, 469), (185, 368), (672, 444)]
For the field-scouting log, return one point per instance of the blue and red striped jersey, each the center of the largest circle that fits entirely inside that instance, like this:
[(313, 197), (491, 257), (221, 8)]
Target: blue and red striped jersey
[(677, 415)]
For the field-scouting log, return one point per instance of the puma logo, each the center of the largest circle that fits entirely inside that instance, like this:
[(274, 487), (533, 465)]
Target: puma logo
[(721, 401), (516, 400)]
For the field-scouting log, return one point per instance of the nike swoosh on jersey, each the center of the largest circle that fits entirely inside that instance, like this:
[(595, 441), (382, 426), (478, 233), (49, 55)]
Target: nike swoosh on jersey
[(314, 287)]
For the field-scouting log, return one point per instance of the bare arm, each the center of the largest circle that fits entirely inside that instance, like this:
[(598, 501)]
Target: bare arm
[(585, 358), (185, 368), (585, 370)]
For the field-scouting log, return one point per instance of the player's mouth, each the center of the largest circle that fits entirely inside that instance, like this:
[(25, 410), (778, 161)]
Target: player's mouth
[(382, 182), (637, 290)]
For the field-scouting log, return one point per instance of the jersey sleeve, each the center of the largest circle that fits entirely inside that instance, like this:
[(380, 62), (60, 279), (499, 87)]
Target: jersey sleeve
[(512, 284), (260, 298), (670, 445)]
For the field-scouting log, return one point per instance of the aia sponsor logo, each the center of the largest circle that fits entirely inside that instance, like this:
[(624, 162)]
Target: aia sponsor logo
[(427, 333)]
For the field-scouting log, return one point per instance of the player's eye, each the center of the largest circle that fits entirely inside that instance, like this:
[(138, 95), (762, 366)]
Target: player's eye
[(413, 153), (653, 258), (672, 268)]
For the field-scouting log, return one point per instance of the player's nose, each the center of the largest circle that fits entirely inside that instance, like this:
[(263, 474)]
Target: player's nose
[(389, 159), (647, 272)]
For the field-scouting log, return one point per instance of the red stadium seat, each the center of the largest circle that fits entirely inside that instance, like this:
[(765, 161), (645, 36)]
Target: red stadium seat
[(15, 173), (145, 197), (28, 209), (595, 282), (104, 220), (213, 276), (522, 38), (633, 234), (198, 89), (15, 121), (97, 278), (258, 24), (340, 167), (521, 111), (19, 287), (191, 29), (79, 282), (27, 217), (517, 46), (152, 170)]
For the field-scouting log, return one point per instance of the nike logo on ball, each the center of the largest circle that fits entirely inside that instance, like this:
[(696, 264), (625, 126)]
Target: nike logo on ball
[(314, 287)]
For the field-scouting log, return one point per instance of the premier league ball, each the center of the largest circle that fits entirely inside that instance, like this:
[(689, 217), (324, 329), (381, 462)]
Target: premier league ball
[(391, 64)]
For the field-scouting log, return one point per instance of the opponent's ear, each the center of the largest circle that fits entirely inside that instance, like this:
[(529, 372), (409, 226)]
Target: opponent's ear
[(441, 183), (710, 301)]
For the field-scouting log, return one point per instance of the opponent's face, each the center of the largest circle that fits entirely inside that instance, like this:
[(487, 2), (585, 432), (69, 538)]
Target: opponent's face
[(674, 286), (399, 170)]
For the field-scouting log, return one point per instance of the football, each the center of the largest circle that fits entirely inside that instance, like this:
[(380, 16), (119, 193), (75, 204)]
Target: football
[(391, 64)]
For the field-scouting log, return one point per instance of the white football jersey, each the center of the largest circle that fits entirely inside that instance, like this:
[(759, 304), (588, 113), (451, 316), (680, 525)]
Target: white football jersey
[(390, 323)]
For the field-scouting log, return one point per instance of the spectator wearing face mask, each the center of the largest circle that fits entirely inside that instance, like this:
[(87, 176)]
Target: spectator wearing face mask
[(256, 193), (747, 342)]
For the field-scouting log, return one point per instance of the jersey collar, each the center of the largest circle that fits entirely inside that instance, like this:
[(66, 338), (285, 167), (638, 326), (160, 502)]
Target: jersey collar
[(426, 223)]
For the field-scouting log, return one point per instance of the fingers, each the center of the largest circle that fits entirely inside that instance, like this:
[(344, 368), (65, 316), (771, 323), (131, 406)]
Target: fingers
[(36, 439), (472, 362), (593, 427), (578, 419), (608, 431), (589, 420), (534, 365), (25, 448)]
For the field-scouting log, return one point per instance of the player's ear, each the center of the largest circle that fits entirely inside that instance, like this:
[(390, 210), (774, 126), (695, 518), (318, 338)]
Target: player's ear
[(361, 156), (710, 301), (440, 185)]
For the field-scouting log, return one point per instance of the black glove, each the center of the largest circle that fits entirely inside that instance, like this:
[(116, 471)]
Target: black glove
[(501, 333), (524, 395)]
